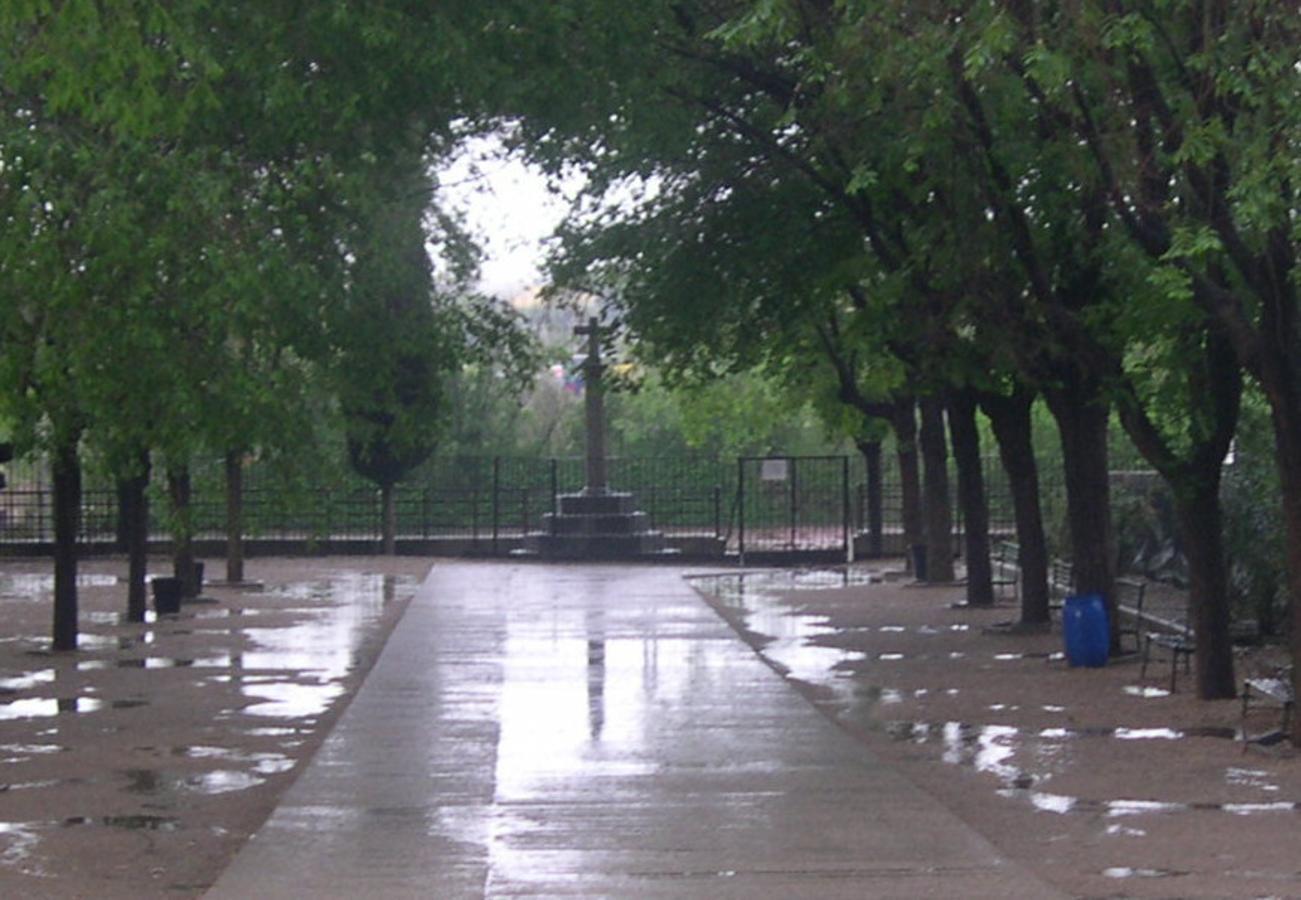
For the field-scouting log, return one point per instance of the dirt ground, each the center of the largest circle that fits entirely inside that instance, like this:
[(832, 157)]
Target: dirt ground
[(138, 765), (1106, 784)]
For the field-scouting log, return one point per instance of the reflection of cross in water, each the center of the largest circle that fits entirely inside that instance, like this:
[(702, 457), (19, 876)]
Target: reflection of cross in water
[(595, 628), (594, 405), (595, 687)]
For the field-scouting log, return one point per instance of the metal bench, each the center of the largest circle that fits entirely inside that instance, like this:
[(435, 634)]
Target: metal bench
[(1277, 688), (1061, 582), (1129, 595), (1179, 643)]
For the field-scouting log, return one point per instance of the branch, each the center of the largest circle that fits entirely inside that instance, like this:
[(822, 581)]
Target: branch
[(848, 391), (1022, 239), (859, 208), (1151, 233)]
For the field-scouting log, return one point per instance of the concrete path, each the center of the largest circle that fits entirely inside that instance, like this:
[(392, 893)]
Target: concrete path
[(597, 731)]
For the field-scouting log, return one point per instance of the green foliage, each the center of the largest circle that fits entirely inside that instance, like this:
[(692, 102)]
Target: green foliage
[(182, 183), (744, 414), (1253, 526)]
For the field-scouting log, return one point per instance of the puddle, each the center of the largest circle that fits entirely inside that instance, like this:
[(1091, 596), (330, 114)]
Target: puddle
[(231, 612), (288, 676), (254, 770), (154, 662), (18, 840), (37, 785), (23, 752), (129, 823), (40, 707), (921, 732), (796, 641), (1251, 778), (271, 732), (291, 700), (1127, 872), (1127, 808), (31, 585), (27, 680)]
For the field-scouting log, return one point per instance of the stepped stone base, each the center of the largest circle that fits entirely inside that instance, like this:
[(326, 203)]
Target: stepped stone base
[(596, 526)]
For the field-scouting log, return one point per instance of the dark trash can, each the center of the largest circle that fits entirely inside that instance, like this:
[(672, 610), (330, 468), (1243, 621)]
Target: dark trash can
[(198, 578), (919, 561), (1086, 630), (167, 594)]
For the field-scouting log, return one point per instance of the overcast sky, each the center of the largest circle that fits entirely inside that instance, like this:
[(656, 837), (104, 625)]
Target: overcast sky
[(510, 210)]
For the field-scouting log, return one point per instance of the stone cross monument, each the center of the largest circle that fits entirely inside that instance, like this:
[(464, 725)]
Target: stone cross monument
[(596, 522), (594, 405)]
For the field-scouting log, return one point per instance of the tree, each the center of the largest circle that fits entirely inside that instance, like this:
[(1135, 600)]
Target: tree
[(394, 359), (175, 170), (1180, 406)]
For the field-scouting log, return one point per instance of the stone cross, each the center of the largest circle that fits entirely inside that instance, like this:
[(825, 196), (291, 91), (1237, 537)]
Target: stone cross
[(594, 403)]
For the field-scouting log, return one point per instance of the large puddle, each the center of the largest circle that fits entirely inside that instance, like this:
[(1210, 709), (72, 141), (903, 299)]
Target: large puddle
[(286, 676), (1020, 762)]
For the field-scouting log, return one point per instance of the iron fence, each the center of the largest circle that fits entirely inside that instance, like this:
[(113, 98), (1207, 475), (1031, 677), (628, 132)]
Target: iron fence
[(793, 503), (751, 504), (478, 499)]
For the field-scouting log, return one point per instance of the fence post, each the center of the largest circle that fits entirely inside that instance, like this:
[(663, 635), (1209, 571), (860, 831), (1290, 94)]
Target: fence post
[(554, 487), (794, 479), (740, 508), (474, 512), (844, 506), (496, 501), (718, 511)]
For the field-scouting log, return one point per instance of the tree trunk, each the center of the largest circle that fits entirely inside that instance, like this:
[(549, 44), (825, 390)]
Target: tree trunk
[(1286, 415), (122, 529), (135, 519), (67, 524), (871, 451), (178, 486), (1013, 430), (938, 513), (1082, 419), (971, 494), (1201, 525), (904, 423), (389, 519), (234, 517)]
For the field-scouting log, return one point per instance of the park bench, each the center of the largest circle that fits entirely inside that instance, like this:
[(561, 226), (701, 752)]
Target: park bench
[(1180, 645), (1061, 582), (1130, 593), (1277, 688), (1179, 640)]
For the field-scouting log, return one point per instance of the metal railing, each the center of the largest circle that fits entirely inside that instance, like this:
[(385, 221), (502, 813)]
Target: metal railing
[(749, 504)]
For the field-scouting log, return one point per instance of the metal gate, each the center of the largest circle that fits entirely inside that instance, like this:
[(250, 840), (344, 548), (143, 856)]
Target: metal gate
[(792, 504)]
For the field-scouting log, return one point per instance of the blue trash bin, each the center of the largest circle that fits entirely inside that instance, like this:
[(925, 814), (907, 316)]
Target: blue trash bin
[(1086, 630)]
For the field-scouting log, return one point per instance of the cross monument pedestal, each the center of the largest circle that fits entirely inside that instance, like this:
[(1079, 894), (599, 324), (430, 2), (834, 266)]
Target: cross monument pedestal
[(596, 523)]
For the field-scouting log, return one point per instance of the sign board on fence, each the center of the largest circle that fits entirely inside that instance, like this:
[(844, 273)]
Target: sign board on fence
[(774, 469)]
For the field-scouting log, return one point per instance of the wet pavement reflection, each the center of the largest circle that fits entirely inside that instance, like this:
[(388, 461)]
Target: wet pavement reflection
[(279, 666), (595, 731), (853, 684)]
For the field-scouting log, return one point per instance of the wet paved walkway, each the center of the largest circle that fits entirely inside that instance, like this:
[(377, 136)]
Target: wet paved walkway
[(597, 731)]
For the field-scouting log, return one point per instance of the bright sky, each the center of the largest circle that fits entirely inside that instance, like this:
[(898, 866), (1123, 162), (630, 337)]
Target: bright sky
[(509, 209)]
